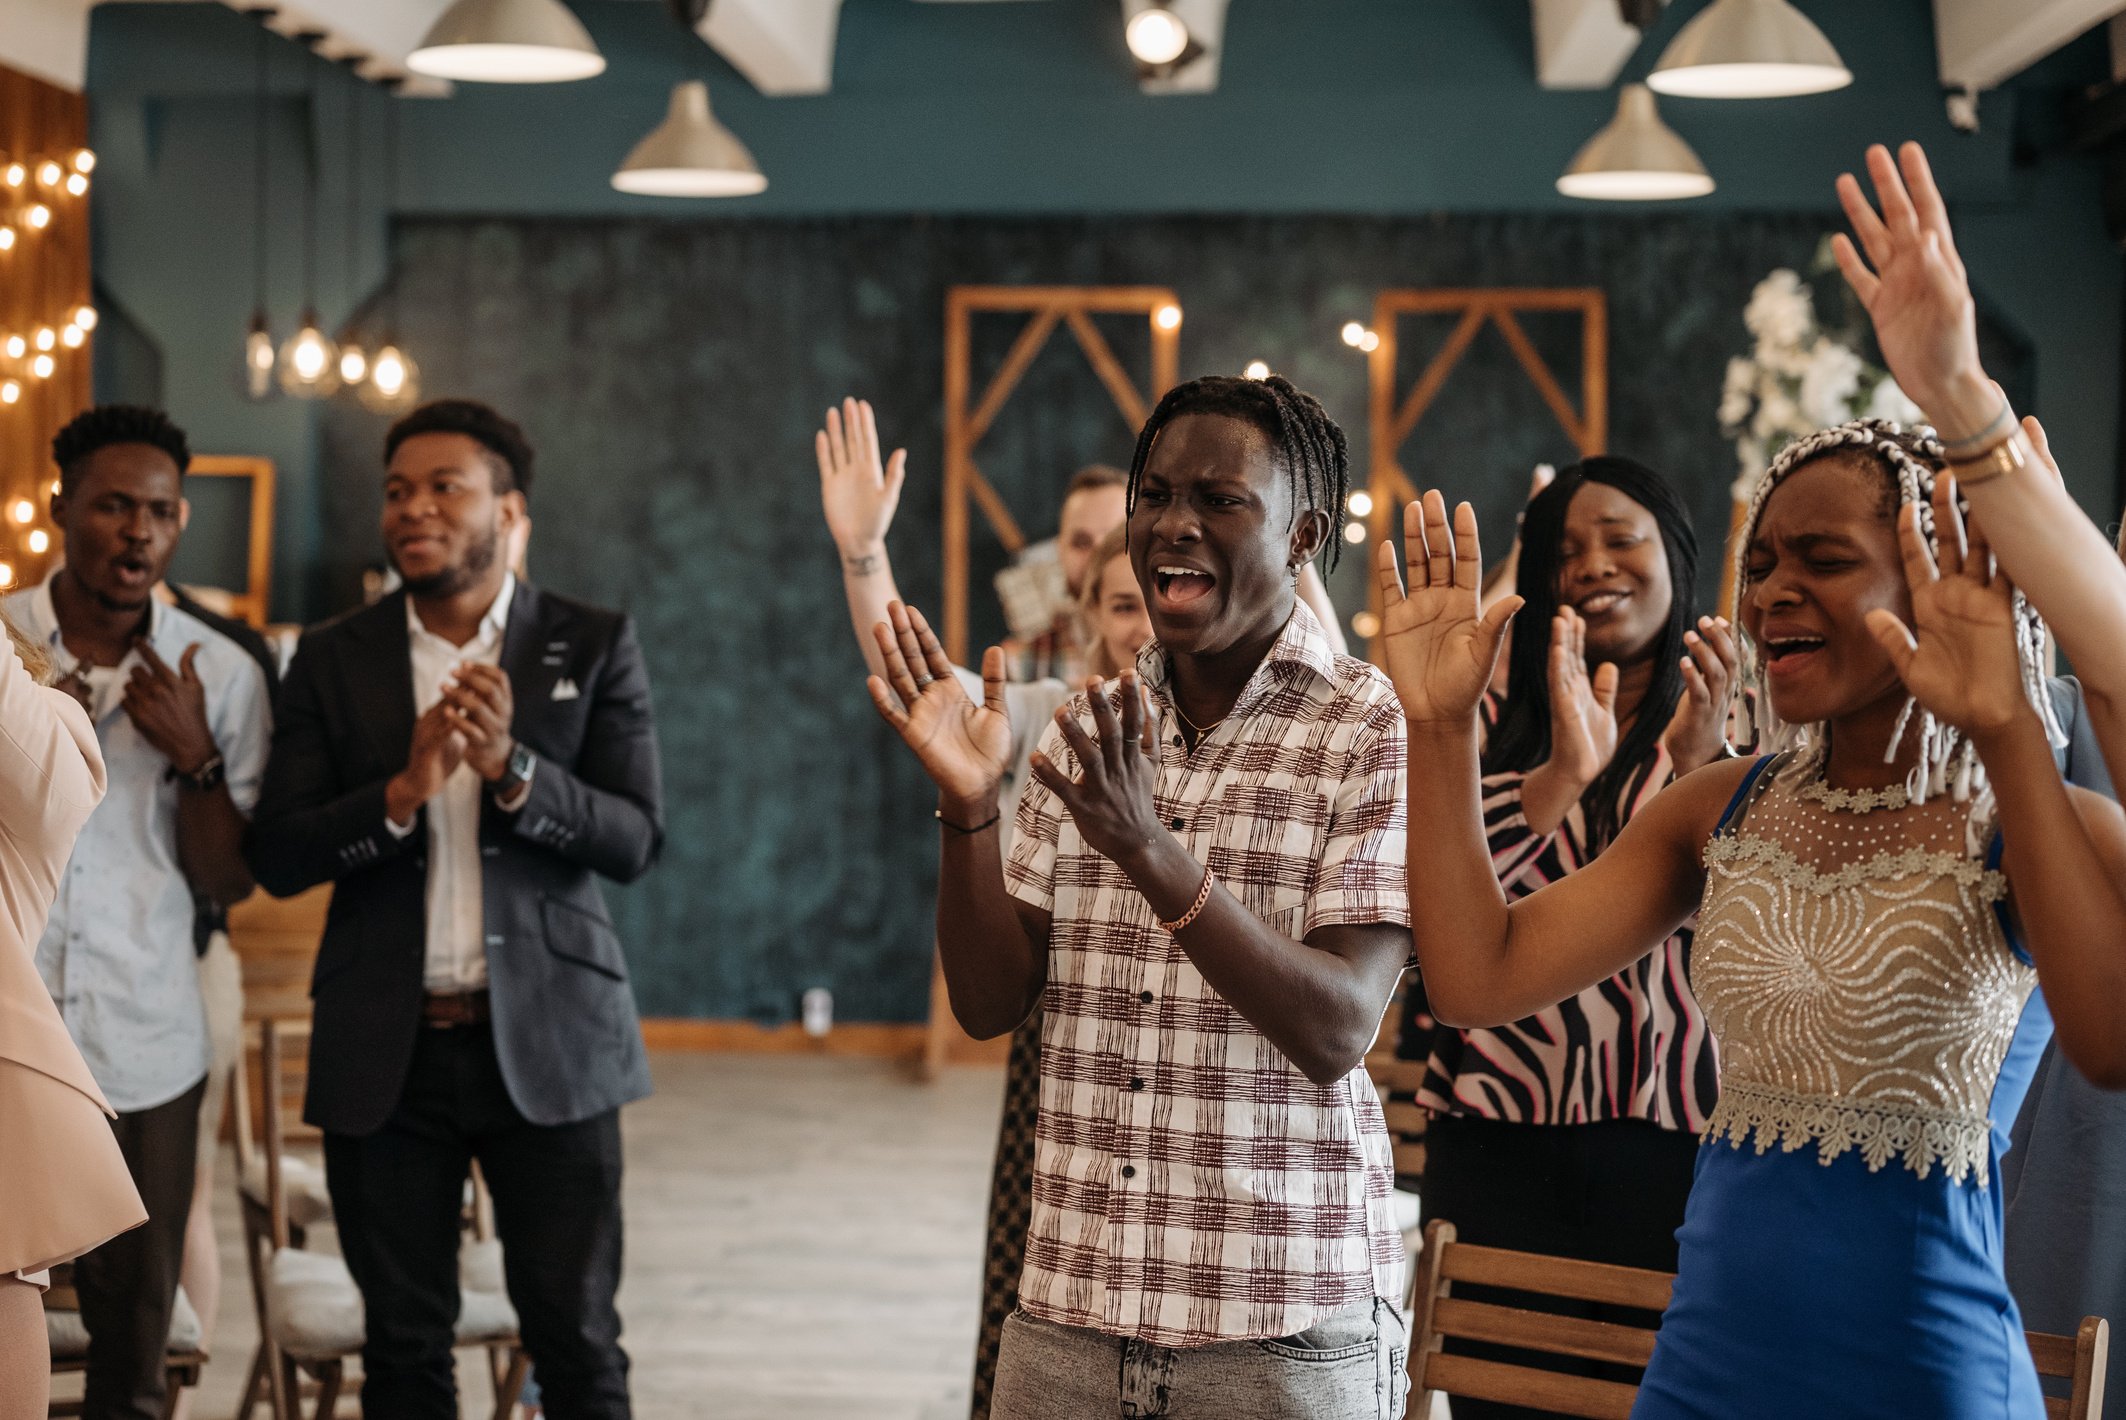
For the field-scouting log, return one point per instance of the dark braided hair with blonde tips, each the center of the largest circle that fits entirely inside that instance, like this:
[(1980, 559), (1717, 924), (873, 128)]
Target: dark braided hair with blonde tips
[(1316, 459), (1909, 460)]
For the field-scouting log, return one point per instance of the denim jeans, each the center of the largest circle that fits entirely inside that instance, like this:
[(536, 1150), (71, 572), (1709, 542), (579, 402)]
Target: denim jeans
[(1348, 1367)]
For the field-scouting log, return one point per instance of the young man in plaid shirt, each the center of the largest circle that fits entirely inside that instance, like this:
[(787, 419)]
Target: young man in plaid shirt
[(1206, 898)]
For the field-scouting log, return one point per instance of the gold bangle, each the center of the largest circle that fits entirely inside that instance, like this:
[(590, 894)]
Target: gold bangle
[(2004, 457), (1202, 896)]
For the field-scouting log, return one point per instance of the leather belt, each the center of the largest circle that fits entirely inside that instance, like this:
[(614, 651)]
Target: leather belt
[(443, 1011)]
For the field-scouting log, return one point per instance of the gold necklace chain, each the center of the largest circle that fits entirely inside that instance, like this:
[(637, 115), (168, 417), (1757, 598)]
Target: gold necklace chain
[(1199, 730)]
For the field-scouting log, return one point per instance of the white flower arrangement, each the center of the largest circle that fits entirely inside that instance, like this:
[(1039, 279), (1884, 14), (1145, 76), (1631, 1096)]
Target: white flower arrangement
[(1797, 378)]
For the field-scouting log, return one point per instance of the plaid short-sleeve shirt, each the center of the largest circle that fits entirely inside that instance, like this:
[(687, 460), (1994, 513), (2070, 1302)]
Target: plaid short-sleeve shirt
[(1191, 1185)]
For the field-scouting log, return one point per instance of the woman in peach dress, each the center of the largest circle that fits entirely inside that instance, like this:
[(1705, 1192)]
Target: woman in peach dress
[(64, 1188)]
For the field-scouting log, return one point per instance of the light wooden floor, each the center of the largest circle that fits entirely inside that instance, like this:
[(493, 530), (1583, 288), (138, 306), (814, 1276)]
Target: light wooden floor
[(804, 1243)]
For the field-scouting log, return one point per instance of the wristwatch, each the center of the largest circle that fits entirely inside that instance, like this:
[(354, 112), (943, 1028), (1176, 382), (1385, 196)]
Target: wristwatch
[(518, 776), (209, 776)]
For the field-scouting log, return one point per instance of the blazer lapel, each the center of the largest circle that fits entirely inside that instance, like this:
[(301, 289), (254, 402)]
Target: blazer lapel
[(383, 679)]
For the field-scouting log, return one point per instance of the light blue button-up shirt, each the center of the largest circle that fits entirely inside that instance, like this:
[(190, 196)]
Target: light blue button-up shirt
[(117, 950)]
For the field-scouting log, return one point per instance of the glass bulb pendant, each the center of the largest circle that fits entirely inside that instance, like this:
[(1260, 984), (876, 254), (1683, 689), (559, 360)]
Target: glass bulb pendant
[(309, 363), (394, 382)]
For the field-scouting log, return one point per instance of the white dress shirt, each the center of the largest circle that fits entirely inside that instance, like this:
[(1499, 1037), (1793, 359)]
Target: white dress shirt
[(456, 958), (117, 948)]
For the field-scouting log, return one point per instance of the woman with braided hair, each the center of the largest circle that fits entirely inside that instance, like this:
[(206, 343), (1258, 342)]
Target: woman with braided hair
[(1877, 901)]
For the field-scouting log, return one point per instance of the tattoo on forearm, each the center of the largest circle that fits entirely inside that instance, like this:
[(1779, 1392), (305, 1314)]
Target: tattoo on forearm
[(864, 565)]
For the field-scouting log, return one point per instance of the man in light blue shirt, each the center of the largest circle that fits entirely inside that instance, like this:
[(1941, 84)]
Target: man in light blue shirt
[(182, 715)]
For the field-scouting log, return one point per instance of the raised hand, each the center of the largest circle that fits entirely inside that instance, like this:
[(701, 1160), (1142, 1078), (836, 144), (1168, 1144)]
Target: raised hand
[(169, 708), (1959, 656), (1438, 646), (857, 492), (1583, 708), (1111, 799), (1911, 281), (965, 748), (1697, 732)]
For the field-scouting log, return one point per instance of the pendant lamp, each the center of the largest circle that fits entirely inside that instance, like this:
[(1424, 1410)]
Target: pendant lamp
[(690, 154), (507, 42), (1635, 158), (394, 383), (309, 363), (258, 337), (1749, 49), (1156, 35), (354, 360)]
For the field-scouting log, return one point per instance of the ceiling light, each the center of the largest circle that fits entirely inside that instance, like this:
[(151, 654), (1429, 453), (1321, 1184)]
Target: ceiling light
[(1155, 34), (1635, 158), (690, 154), (308, 366), (1257, 370), (1353, 333), (507, 42), (258, 356), (1749, 49), (394, 382), (1167, 317), (354, 363)]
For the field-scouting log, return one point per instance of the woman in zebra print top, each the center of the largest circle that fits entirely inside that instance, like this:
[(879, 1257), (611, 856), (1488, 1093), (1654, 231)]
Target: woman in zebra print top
[(1574, 1132)]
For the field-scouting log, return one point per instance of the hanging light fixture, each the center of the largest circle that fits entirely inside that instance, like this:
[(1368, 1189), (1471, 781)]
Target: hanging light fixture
[(354, 361), (309, 363), (1749, 49), (507, 42), (1635, 158), (1156, 35), (258, 336), (690, 154), (394, 383)]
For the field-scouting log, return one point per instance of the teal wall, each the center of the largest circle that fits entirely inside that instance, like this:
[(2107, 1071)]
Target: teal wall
[(670, 357)]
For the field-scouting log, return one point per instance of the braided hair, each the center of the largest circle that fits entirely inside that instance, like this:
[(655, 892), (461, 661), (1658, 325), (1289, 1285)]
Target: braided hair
[(1316, 459), (1521, 738), (1910, 459)]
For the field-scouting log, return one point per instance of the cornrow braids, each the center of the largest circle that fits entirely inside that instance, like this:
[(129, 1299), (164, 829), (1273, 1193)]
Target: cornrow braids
[(1316, 458), (1948, 762)]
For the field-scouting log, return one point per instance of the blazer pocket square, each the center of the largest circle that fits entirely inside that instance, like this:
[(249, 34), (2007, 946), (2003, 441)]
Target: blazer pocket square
[(565, 689)]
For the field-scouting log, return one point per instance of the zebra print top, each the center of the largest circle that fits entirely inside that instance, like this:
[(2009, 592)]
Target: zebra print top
[(1632, 1047)]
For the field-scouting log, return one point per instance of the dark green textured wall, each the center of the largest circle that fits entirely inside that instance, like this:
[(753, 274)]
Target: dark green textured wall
[(671, 374)]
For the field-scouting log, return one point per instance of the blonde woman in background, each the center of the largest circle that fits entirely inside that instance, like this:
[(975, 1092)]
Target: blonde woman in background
[(64, 1188)]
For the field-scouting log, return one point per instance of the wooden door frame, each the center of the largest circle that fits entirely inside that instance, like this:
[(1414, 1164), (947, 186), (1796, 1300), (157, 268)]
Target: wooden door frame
[(1393, 416), (966, 421)]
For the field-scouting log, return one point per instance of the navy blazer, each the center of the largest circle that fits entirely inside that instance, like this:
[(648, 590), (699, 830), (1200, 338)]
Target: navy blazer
[(564, 1017)]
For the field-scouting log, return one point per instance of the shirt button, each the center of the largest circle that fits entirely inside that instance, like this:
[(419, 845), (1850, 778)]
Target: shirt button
[(1144, 996), (1136, 1082), (1179, 743), (1129, 1171), (1175, 824)]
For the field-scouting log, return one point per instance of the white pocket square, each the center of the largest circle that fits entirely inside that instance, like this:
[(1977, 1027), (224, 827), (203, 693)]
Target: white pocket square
[(565, 689)]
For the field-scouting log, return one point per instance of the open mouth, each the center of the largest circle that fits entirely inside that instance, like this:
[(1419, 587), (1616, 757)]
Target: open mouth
[(1179, 586), (1783, 655), (130, 569), (1600, 603)]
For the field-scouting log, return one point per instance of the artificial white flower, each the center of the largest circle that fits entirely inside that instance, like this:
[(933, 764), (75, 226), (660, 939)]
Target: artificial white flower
[(1891, 402), (1780, 311), (1829, 384), (1779, 418)]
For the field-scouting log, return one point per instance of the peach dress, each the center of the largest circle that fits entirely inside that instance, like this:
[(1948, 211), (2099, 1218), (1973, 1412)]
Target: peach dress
[(64, 1187)]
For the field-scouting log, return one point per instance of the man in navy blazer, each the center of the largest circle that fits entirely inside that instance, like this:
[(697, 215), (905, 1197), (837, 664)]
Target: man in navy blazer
[(462, 761)]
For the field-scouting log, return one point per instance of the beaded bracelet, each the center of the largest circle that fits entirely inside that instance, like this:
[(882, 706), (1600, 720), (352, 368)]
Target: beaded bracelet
[(1203, 896)]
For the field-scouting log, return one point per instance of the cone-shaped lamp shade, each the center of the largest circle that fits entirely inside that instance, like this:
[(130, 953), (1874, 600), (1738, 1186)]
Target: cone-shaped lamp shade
[(690, 154), (1749, 49), (1635, 158), (507, 42)]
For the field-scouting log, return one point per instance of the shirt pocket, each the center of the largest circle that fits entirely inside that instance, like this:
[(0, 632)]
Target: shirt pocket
[(1266, 848)]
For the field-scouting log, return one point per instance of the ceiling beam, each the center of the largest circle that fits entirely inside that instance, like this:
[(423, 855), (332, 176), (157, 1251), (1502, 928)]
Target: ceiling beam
[(1981, 43), (1581, 44), (784, 46)]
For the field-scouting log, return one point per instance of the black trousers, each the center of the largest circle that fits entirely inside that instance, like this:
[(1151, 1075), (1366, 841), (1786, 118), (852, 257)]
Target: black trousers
[(1612, 1192), (396, 1196), (129, 1285)]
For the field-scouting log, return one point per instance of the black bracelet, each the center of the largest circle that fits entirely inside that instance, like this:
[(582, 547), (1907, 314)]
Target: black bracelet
[(939, 814)]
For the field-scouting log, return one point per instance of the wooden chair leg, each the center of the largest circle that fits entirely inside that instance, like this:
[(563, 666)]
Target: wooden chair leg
[(511, 1384), (254, 1384), (287, 1389), (328, 1396)]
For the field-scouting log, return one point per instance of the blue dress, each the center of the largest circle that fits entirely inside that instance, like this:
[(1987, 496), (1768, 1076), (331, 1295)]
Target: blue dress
[(1878, 1028)]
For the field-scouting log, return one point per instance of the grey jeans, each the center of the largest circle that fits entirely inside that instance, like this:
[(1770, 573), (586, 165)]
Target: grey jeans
[(1348, 1367)]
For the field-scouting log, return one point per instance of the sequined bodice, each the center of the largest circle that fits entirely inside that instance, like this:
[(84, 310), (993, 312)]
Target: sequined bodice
[(1856, 976)]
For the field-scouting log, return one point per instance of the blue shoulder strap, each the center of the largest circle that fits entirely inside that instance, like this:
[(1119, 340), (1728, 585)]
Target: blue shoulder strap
[(1742, 792), (2000, 908)]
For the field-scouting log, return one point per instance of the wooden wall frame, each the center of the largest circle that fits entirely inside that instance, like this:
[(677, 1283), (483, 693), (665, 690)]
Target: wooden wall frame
[(967, 420), (248, 601), (1394, 415)]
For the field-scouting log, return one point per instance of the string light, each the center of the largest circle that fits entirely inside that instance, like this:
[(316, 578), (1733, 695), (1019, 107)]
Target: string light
[(1370, 342), (85, 317), (1366, 624), (16, 175), (72, 336), (1353, 333), (39, 216), (46, 337), (17, 347), (21, 510), (1167, 317), (40, 541), (1257, 370), (7, 574), (76, 184), (49, 173), (1354, 532), (10, 391), (53, 488), (1360, 503), (42, 367), (84, 161), (7, 238)]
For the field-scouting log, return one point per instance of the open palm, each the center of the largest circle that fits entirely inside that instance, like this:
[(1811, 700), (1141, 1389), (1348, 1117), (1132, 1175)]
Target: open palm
[(964, 747), (1583, 707), (1958, 659), (1912, 282), (1438, 646)]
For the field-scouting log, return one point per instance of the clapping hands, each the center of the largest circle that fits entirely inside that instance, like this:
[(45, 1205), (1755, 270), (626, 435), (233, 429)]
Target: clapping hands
[(1438, 645)]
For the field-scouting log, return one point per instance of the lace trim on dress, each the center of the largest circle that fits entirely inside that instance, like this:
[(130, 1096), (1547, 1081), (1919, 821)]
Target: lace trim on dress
[(1854, 801), (1919, 1136), (1740, 854)]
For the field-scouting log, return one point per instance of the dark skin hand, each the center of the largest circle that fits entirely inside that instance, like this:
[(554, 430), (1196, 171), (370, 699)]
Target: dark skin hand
[(438, 748), (481, 706), (169, 708)]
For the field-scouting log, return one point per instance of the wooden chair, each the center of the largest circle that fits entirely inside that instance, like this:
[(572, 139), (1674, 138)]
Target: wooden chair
[(69, 1340), (1439, 1314), (311, 1311), (1396, 1081), (302, 1185)]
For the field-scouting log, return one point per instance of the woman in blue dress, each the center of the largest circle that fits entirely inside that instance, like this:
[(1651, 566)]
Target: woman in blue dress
[(1878, 903)]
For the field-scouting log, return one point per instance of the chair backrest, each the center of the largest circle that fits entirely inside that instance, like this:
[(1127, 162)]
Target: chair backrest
[(1439, 1314)]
